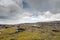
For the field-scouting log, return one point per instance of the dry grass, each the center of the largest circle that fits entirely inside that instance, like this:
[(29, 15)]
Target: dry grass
[(43, 33)]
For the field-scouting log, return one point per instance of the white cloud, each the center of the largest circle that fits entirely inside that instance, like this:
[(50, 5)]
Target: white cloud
[(48, 16), (28, 17), (11, 13)]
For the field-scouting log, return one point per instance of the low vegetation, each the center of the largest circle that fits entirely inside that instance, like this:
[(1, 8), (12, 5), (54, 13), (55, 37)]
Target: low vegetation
[(31, 31)]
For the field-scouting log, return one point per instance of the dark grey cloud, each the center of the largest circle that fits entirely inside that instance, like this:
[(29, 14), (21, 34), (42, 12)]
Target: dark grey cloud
[(40, 5), (55, 5), (10, 10), (44, 5)]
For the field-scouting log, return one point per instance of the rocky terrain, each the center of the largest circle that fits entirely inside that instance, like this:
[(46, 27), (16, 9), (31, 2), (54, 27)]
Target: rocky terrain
[(31, 31)]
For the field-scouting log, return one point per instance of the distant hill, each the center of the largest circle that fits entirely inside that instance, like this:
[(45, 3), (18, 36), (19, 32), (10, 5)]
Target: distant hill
[(52, 23)]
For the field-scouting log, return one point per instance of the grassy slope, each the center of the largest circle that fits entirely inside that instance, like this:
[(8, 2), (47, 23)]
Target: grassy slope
[(32, 33)]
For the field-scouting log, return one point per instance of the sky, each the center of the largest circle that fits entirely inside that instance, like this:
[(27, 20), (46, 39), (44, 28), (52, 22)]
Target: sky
[(29, 11)]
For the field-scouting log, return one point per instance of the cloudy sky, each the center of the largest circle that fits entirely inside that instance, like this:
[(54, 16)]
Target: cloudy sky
[(28, 11)]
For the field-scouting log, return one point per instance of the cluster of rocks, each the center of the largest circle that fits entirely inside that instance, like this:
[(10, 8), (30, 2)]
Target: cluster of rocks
[(22, 27), (6, 26), (18, 27)]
